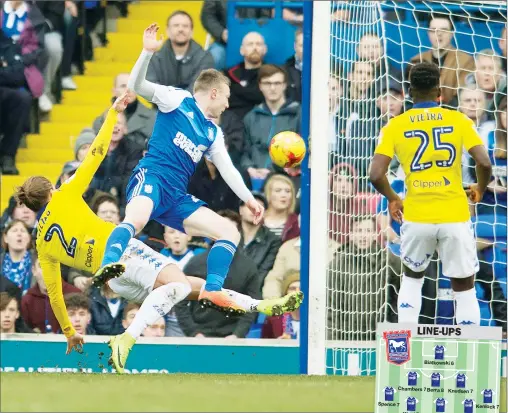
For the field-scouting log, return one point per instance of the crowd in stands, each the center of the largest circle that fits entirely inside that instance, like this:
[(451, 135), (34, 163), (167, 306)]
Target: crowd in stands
[(41, 45), (265, 99)]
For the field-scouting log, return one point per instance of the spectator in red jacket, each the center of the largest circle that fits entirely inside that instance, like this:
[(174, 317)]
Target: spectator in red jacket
[(35, 306)]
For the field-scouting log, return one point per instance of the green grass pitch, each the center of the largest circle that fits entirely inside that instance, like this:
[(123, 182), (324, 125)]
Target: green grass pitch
[(25, 392)]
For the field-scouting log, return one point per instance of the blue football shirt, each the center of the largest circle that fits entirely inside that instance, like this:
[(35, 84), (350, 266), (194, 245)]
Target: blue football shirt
[(487, 396), (181, 136), (435, 379), (412, 378), (468, 405), (411, 404), (440, 405), (439, 352), (461, 381), (389, 392)]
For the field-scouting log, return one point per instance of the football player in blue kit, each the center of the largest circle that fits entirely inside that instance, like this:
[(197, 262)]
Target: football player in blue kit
[(183, 133)]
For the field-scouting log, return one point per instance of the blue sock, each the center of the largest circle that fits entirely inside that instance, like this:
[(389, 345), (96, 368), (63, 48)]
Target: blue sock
[(117, 243), (219, 260)]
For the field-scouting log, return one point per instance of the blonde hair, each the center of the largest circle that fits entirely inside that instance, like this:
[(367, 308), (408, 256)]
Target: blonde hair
[(208, 79), (280, 178)]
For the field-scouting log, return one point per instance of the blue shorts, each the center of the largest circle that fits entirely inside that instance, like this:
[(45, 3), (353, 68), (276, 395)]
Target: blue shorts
[(170, 206)]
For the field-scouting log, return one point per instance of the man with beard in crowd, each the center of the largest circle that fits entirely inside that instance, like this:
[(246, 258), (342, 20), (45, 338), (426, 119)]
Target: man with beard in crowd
[(245, 93)]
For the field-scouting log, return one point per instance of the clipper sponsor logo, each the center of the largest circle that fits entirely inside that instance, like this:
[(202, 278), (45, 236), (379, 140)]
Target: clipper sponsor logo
[(430, 184), (416, 264), (89, 254), (185, 144)]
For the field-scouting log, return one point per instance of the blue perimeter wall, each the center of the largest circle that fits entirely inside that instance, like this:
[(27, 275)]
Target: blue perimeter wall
[(181, 356)]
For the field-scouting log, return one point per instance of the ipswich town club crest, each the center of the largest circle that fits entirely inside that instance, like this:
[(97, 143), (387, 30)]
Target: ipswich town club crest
[(397, 346)]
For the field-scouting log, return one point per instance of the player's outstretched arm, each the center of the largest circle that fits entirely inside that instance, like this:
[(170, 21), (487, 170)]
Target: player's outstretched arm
[(137, 79), (378, 169), (99, 149), (53, 280), (483, 172), (220, 158)]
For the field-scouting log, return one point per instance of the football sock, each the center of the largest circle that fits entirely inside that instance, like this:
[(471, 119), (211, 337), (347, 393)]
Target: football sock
[(219, 260), (158, 303), (468, 308), (117, 243), (410, 299), (246, 302)]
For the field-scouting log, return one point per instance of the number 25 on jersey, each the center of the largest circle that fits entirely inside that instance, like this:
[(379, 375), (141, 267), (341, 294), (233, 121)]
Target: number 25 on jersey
[(416, 164)]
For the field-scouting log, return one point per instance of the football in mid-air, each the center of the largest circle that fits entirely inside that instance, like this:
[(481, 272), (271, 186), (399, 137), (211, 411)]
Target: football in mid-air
[(287, 149)]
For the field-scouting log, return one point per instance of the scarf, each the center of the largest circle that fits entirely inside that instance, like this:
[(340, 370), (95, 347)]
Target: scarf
[(20, 273)]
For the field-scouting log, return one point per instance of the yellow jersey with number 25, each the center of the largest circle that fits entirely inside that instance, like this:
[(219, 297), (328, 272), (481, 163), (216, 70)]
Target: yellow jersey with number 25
[(68, 232), (428, 141)]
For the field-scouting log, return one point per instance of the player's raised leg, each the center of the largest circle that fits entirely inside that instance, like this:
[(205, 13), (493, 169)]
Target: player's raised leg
[(204, 222), (417, 247), (457, 249)]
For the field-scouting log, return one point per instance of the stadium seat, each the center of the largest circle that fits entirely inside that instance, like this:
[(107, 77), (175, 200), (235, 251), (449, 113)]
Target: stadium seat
[(278, 34), (49, 147)]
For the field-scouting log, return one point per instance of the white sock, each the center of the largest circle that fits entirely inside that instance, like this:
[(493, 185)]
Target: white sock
[(248, 303), (158, 303), (409, 302), (467, 307)]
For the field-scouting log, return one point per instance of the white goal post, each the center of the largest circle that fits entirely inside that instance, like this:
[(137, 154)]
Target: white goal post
[(353, 286)]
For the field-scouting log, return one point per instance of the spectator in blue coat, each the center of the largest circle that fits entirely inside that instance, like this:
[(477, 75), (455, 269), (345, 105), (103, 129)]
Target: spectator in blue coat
[(16, 262)]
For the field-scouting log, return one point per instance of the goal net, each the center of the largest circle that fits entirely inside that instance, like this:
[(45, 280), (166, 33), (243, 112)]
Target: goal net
[(372, 47)]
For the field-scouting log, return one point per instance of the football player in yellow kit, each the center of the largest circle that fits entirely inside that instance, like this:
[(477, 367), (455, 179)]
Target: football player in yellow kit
[(428, 141), (68, 232)]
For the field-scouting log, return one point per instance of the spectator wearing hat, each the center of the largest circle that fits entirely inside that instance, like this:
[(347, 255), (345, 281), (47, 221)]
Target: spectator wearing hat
[(208, 185), (114, 171), (257, 241), (140, 119), (286, 326), (83, 142), (67, 171)]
